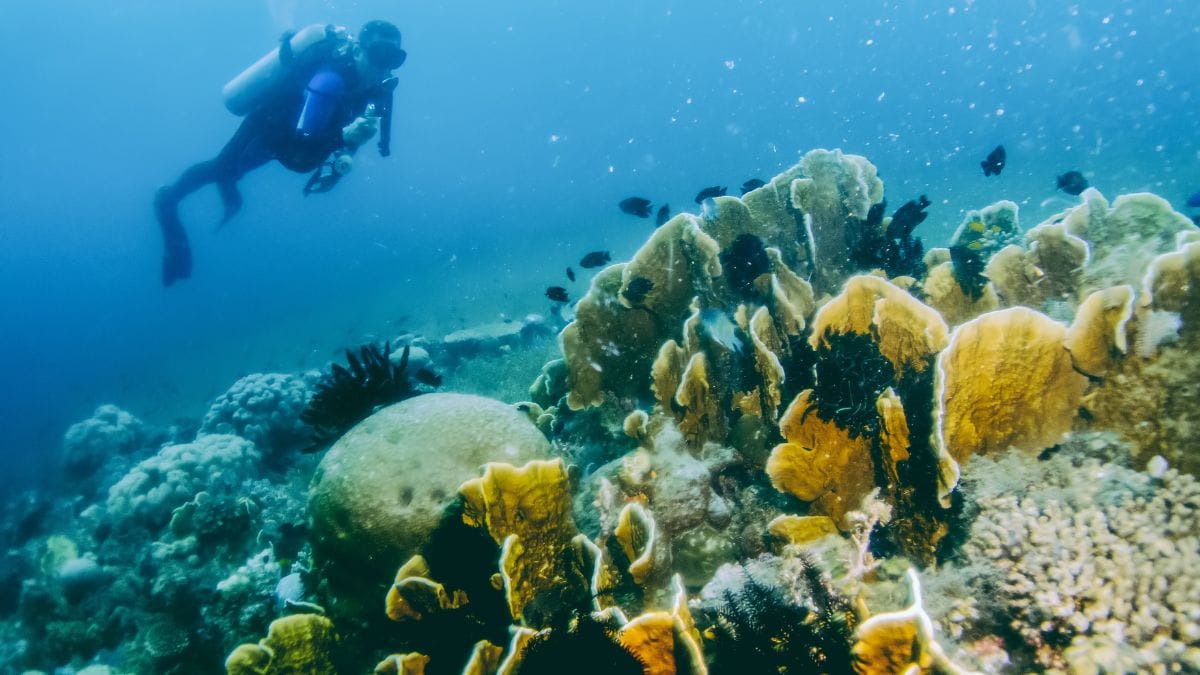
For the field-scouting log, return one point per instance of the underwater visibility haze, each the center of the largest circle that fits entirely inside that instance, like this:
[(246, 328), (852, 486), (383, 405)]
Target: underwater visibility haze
[(669, 337)]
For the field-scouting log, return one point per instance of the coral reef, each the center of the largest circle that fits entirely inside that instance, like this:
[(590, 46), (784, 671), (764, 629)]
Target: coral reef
[(1081, 558), (379, 492), (781, 406), (346, 395), (265, 409), (87, 445), (158, 485)]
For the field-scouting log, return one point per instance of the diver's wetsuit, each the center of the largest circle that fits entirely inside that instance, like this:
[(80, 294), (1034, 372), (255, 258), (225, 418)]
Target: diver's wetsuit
[(268, 133)]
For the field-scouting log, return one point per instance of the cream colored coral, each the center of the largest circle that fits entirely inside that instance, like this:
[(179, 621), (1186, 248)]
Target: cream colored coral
[(835, 187), (1105, 552), (1061, 257), (1097, 336), (943, 293)]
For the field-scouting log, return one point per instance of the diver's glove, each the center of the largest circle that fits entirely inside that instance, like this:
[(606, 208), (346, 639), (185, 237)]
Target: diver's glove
[(359, 131)]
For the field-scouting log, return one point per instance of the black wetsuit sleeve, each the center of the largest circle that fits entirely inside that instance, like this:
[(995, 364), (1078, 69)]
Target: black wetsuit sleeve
[(383, 107)]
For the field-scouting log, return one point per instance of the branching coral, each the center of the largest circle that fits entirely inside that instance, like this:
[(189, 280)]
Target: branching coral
[(1077, 551)]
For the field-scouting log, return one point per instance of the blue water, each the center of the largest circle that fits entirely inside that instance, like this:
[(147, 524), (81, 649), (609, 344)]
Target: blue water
[(518, 127)]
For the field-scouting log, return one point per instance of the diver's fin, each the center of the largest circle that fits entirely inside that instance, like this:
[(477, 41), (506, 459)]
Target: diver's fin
[(177, 254), (177, 263), (232, 200)]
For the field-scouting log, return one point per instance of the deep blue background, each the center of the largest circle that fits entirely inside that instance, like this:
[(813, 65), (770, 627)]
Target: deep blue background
[(518, 128)]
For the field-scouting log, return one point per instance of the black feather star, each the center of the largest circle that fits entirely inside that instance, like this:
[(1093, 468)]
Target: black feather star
[(347, 395), (759, 629)]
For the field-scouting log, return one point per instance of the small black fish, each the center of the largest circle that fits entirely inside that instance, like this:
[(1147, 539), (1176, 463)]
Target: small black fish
[(664, 214), (710, 192), (571, 274), (1072, 183), (595, 259), (635, 206), (557, 294), (752, 184), (637, 289), (994, 164)]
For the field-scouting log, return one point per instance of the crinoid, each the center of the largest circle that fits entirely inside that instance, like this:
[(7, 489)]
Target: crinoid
[(346, 395), (583, 646), (850, 376), (763, 629)]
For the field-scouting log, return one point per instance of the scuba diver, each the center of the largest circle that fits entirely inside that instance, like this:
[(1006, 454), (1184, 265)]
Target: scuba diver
[(309, 104)]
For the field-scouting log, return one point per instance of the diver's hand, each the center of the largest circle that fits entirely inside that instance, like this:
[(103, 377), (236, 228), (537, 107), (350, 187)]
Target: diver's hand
[(360, 131)]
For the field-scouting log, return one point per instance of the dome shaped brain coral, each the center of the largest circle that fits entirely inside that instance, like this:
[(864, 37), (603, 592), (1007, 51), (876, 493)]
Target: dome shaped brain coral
[(380, 490)]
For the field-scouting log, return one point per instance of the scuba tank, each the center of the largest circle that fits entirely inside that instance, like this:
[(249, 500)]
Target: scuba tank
[(243, 93), (321, 99)]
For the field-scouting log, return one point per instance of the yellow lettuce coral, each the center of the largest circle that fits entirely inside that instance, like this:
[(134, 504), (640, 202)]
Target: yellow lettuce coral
[(413, 594), (300, 643), (1097, 336), (908, 332), (527, 511), (412, 663), (1006, 379), (943, 293), (820, 462), (901, 642)]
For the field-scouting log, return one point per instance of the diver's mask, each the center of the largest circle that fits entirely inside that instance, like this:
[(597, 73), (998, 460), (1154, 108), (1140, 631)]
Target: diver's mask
[(385, 55)]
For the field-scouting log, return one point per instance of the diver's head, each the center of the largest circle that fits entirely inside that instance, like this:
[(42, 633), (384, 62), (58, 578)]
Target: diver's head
[(380, 44)]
